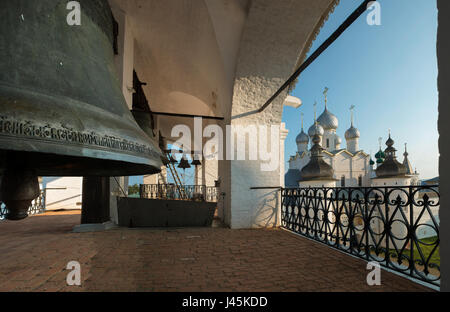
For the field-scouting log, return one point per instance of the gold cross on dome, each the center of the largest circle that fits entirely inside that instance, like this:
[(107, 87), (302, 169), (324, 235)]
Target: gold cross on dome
[(315, 110), (351, 110)]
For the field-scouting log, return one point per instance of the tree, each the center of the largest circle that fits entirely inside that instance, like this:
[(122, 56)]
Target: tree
[(133, 189)]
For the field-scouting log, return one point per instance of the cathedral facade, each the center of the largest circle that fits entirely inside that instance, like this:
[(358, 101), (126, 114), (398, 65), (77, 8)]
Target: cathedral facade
[(349, 166)]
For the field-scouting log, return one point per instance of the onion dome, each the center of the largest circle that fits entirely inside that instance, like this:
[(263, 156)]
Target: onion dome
[(317, 168), (352, 133), (302, 138), (371, 162), (390, 167), (316, 128), (328, 120), (380, 155), (406, 163)]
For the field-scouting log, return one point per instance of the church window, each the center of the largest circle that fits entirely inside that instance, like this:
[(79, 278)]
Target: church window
[(360, 180), (328, 143), (343, 181)]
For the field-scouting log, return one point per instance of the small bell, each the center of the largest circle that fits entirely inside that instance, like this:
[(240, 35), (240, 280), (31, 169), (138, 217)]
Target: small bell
[(196, 162), (172, 160), (184, 163)]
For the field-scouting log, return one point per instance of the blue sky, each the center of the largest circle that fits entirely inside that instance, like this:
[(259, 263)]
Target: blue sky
[(389, 72)]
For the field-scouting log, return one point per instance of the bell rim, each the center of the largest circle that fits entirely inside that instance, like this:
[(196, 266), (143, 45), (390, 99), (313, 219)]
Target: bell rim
[(128, 135)]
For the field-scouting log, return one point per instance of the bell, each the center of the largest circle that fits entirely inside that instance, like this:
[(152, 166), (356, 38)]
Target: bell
[(172, 160), (62, 111), (196, 162), (184, 163)]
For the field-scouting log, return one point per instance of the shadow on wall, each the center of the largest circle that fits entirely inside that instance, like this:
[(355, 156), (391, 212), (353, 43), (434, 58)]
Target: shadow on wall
[(65, 203), (266, 214)]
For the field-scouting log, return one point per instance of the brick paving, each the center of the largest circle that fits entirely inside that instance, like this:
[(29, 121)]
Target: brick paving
[(35, 252)]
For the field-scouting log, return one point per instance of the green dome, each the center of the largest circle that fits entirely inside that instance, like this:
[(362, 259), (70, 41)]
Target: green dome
[(371, 162), (380, 154), (379, 160)]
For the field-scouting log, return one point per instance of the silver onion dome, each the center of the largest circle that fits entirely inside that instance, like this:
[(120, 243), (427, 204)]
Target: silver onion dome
[(328, 120), (302, 137), (352, 133), (315, 128)]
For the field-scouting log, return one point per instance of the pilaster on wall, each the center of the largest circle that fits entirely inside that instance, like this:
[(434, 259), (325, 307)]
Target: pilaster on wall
[(283, 135), (209, 172), (119, 188), (158, 178)]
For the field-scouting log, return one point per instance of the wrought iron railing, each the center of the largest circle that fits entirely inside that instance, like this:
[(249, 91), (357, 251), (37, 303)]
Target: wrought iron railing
[(37, 206), (397, 227), (171, 191)]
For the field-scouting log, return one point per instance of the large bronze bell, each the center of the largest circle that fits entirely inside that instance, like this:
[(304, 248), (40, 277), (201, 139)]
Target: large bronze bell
[(62, 112)]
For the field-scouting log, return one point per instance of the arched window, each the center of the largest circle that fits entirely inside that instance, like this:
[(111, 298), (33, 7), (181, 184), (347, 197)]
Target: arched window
[(328, 143), (360, 180), (343, 181)]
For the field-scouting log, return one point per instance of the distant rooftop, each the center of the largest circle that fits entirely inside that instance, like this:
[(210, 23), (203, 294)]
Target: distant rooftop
[(431, 181)]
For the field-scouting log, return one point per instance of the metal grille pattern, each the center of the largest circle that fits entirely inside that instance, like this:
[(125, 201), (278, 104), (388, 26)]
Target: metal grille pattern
[(37, 206), (397, 227), (171, 191)]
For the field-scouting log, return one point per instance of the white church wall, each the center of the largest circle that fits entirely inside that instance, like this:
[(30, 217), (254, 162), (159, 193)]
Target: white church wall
[(317, 183), (395, 181), (63, 193), (352, 168)]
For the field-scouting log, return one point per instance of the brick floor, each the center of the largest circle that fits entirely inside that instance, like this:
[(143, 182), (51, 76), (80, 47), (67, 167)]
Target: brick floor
[(35, 252)]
